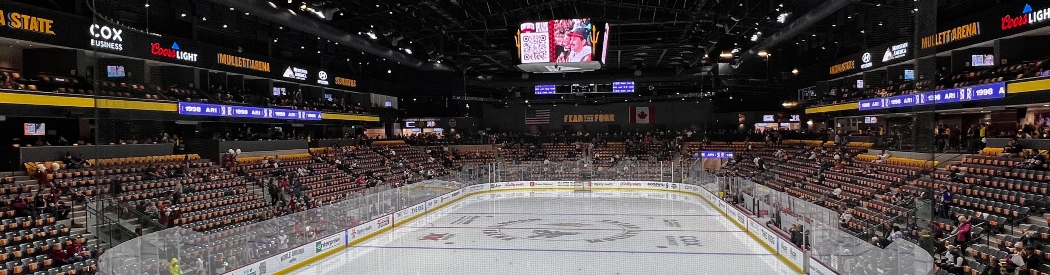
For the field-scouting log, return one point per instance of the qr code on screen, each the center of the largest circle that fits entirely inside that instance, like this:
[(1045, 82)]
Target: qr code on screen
[(535, 47)]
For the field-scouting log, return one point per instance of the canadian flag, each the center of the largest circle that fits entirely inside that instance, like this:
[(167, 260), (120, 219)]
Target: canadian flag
[(643, 115)]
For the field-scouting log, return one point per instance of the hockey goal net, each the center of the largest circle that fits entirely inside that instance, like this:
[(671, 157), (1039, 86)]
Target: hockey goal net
[(582, 185)]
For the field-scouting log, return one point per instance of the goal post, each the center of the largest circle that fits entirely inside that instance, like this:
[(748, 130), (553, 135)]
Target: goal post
[(581, 185)]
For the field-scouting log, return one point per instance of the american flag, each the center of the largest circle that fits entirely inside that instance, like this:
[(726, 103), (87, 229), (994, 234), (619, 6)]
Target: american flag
[(537, 116)]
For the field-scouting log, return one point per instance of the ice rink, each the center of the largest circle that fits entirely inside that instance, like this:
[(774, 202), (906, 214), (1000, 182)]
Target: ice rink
[(561, 232)]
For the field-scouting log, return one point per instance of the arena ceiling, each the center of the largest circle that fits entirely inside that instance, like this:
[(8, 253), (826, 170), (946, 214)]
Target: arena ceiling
[(676, 43)]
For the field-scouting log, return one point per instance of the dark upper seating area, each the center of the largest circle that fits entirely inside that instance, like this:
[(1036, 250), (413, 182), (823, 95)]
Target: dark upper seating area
[(964, 78)]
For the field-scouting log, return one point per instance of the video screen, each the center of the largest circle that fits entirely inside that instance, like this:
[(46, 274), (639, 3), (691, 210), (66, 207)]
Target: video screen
[(546, 89), (115, 71), (34, 129), (278, 91), (571, 40), (860, 84), (982, 60), (625, 87), (328, 96), (909, 74)]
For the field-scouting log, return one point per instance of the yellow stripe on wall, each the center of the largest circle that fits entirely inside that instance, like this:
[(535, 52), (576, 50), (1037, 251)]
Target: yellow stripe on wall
[(334, 116), (45, 100), (85, 102), (1028, 86), (833, 108), (137, 105)]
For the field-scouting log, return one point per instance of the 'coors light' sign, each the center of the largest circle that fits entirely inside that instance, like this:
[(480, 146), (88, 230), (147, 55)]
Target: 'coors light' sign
[(173, 52), (1027, 17)]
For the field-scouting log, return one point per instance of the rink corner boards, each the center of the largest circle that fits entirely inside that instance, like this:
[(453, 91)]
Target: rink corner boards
[(396, 224)]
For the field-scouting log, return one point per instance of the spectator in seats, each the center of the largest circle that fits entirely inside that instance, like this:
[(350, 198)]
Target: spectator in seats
[(796, 235), (152, 210), (845, 218), (21, 207), (952, 260), (839, 167), (68, 160), (875, 241), (81, 161), (911, 228), (76, 252), (962, 233), (1033, 161), (282, 241), (1012, 149), (883, 157), (1031, 260), (200, 267), (60, 256), (945, 200), (896, 234), (927, 242)]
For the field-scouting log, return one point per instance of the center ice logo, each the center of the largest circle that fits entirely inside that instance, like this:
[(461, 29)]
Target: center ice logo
[(571, 230)]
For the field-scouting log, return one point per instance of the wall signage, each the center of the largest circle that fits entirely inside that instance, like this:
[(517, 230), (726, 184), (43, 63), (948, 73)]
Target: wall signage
[(590, 118), (972, 93), (716, 155), (295, 73), (865, 60), (895, 52), (322, 78), (173, 52), (345, 82), (966, 31), (106, 37), (1027, 17), (217, 110), (842, 67), (243, 63), (26, 22)]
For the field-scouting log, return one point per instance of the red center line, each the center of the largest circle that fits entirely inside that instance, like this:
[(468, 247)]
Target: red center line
[(566, 228)]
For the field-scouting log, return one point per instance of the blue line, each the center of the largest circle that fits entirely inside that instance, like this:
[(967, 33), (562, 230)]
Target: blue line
[(566, 214), (564, 250)]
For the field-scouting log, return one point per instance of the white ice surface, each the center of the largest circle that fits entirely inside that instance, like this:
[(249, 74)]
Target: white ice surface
[(561, 232)]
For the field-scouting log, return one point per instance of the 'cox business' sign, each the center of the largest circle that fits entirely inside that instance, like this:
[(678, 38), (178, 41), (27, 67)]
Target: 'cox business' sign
[(106, 37)]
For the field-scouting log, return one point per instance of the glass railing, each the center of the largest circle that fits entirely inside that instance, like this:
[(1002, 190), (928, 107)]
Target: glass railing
[(226, 250)]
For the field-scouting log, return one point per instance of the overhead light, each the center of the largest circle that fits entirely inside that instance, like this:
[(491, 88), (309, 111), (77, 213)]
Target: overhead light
[(1046, 105), (289, 1), (754, 37), (302, 47), (782, 17), (247, 13), (736, 50), (371, 35), (794, 71), (275, 40), (204, 19), (183, 15), (409, 51), (861, 31), (224, 26), (725, 55), (388, 71), (763, 53), (147, 5), (231, 8)]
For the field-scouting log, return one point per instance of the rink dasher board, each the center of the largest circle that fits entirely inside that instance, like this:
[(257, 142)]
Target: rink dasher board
[(789, 254)]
